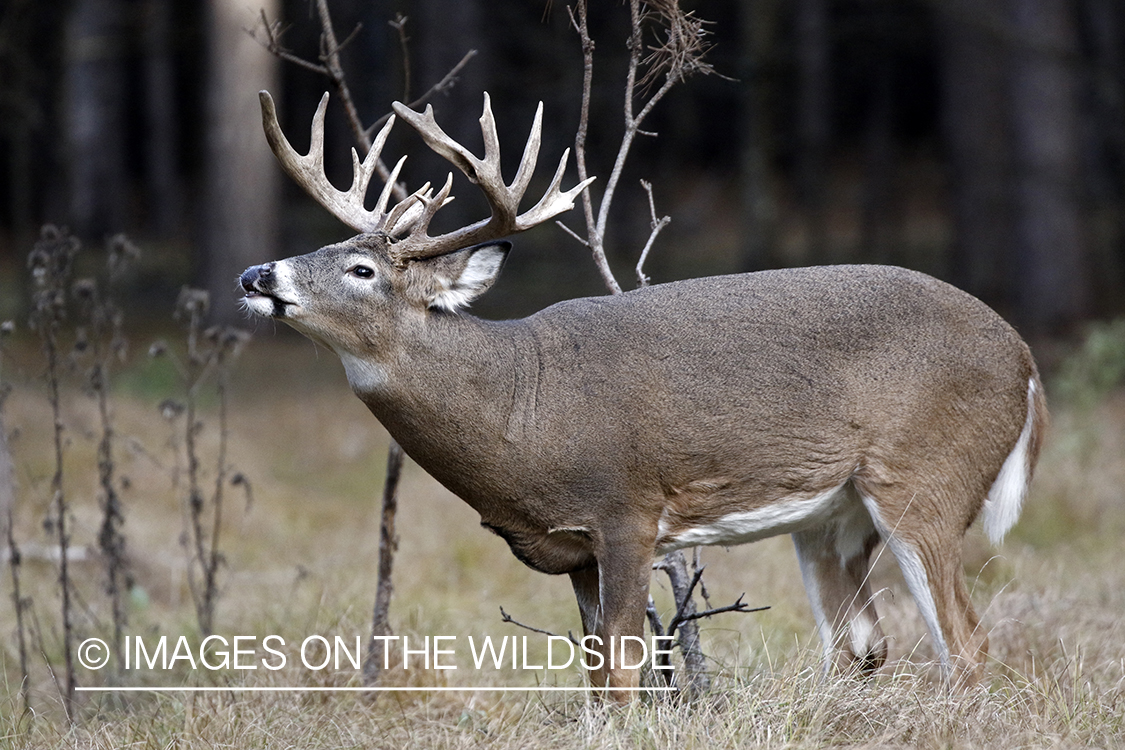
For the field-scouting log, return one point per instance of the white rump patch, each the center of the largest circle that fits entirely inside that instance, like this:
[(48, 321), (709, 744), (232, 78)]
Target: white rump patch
[(1005, 499)]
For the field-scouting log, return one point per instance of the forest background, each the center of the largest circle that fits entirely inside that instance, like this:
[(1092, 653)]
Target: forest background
[(983, 142)]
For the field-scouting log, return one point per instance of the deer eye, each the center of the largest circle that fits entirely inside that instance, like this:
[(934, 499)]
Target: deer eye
[(362, 272)]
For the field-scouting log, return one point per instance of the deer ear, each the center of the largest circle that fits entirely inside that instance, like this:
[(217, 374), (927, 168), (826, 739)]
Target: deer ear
[(467, 274)]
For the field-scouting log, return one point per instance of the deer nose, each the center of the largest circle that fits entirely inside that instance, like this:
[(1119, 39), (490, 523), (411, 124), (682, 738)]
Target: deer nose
[(251, 277)]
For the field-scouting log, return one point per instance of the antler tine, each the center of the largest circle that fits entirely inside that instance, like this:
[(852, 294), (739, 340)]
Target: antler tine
[(488, 168), (554, 201), (503, 199), (406, 214), (530, 154), (308, 172), (388, 188)]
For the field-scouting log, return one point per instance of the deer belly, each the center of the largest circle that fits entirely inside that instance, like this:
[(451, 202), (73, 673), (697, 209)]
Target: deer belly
[(553, 551), (787, 515)]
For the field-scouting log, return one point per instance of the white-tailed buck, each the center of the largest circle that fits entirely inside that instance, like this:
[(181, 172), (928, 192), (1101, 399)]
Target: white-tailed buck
[(844, 405)]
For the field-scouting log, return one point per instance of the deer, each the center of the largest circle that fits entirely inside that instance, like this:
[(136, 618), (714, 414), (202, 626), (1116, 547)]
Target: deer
[(848, 406)]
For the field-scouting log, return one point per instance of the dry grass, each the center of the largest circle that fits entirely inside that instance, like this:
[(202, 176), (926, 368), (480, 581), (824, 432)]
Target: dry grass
[(301, 561)]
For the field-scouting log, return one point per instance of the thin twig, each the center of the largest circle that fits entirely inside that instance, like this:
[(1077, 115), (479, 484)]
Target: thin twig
[(505, 617), (273, 45), (682, 611), (656, 226), (440, 87), (696, 564), (350, 38), (571, 232), (738, 606), (399, 25)]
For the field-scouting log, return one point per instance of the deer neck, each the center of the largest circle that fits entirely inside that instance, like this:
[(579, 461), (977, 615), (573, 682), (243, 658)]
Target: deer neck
[(447, 395)]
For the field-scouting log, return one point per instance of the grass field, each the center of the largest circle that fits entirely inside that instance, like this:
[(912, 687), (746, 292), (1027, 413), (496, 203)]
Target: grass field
[(301, 561)]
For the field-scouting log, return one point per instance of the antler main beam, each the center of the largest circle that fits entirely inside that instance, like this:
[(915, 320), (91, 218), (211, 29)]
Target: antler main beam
[(409, 220)]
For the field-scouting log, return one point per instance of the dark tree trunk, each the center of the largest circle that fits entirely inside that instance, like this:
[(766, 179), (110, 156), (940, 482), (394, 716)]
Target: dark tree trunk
[(1052, 265), (163, 194), (1103, 28), (758, 28), (978, 149), (240, 221), (814, 125), (96, 117)]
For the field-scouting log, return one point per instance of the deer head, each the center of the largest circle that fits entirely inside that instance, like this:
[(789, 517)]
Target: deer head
[(394, 257)]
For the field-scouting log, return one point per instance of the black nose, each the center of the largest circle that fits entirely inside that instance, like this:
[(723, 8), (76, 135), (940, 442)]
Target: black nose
[(255, 274)]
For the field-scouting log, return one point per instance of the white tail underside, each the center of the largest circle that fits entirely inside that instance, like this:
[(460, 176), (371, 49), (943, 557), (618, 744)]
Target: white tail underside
[(1005, 499)]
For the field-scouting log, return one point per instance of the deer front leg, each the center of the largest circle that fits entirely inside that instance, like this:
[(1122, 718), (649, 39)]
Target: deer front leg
[(622, 578)]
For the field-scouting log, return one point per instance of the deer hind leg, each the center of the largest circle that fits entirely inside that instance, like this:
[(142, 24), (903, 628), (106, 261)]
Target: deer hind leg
[(927, 548), (834, 566)]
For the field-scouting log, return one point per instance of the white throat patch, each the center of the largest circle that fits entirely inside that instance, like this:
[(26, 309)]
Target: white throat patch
[(363, 376)]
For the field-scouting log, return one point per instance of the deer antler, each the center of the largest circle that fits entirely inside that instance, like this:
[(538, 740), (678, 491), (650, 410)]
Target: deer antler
[(308, 172), (411, 217), (503, 199)]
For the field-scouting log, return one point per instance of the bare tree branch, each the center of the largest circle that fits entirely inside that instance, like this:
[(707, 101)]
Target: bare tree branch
[(682, 611), (446, 83), (505, 617), (738, 606), (571, 232), (656, 226), (676, 57), (595, 239), (399, 25), (272, 43)]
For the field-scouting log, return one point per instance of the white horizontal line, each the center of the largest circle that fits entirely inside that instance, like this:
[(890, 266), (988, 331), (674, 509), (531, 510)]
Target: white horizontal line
[(391, 689)]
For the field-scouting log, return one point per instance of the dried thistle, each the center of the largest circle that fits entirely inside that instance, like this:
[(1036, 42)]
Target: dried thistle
[(681, 43)]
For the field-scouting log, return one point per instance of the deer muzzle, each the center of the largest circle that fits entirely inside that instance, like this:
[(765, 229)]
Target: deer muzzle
[(260, 285), (257, 279)]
